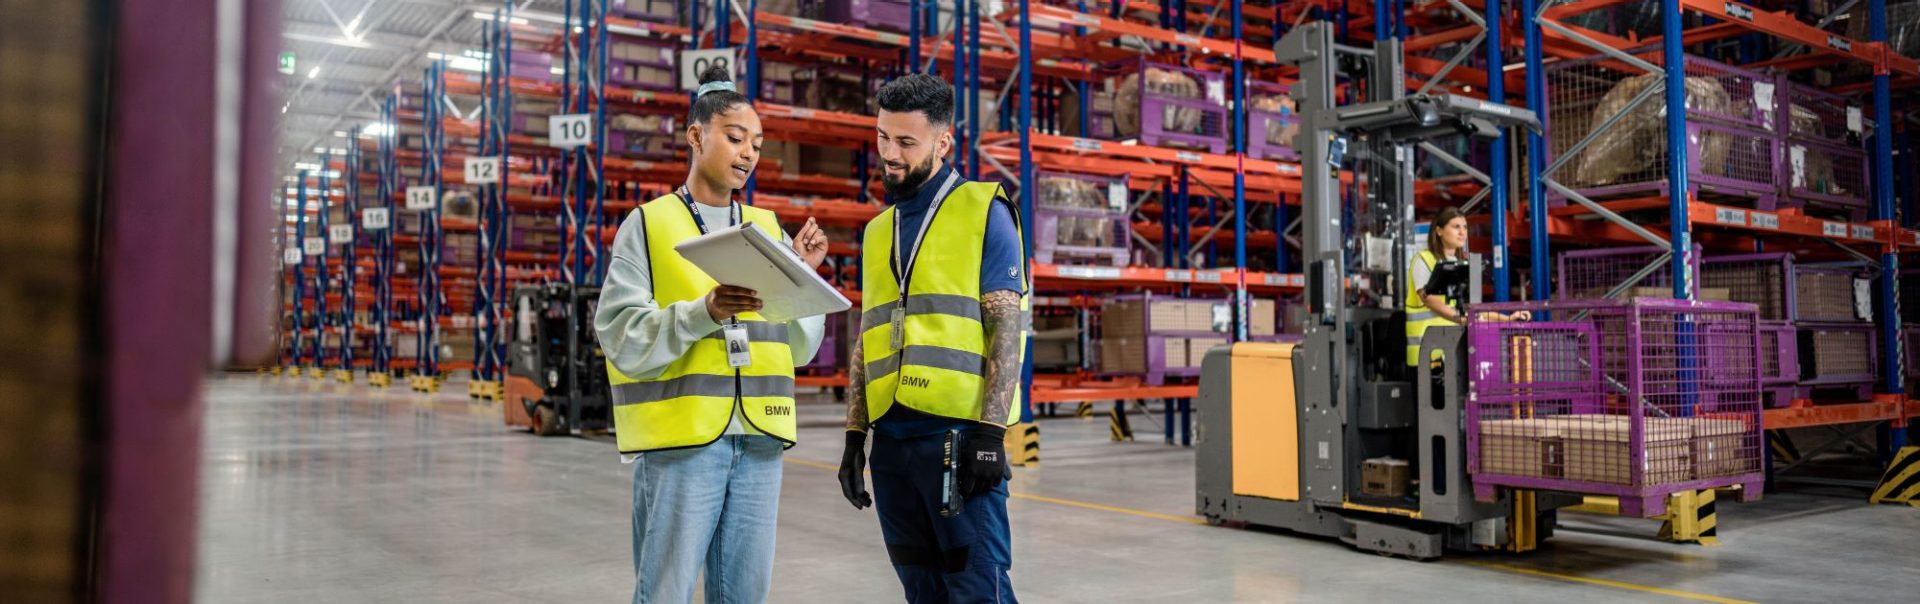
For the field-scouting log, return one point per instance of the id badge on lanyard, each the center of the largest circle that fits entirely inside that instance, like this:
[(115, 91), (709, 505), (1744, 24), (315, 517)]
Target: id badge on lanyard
[(903, 270), (739, 347)]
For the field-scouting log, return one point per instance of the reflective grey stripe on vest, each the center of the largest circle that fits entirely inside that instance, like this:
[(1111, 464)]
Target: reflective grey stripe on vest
[(699, 384), (1425, 315), (1415, 340), (930, 356), (757, 331), (923, 304)]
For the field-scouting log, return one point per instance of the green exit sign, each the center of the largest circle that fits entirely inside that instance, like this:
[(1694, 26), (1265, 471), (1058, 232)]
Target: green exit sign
[(286, 63)]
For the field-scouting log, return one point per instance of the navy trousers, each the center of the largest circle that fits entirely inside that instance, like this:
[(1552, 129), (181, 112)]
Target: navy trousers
[(960, 560)]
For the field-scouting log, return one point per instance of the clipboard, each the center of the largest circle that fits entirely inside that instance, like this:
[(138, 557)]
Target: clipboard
[(744, 256)]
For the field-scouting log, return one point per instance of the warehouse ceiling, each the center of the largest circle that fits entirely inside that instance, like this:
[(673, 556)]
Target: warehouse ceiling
[(349, 53)]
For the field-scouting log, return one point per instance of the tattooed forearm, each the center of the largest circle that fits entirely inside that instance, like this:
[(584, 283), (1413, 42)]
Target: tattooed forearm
[(857, 389), (1001, 312)]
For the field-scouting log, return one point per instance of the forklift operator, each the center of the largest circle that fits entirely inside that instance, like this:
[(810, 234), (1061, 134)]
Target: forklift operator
[(1446, 242)]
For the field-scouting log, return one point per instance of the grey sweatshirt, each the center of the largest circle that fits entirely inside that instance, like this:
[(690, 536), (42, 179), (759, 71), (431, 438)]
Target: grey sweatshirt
[(642, 339)]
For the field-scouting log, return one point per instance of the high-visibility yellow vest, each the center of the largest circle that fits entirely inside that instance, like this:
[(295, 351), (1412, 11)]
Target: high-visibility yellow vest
[(692, 401), (1419, 317), (941, 367)]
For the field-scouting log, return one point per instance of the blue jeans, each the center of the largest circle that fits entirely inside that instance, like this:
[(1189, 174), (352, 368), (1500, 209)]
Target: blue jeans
[(712, 506), (963, 559)]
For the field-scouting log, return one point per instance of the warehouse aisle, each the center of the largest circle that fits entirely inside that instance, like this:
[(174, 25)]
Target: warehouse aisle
[(317, 492)]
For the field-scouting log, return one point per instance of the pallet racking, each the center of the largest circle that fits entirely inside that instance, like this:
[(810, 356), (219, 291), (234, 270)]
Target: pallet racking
[(1199, 220)]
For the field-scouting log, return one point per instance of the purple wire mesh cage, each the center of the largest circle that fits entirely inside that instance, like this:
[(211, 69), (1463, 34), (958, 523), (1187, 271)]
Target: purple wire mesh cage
[(1829, 294), (1636, 399), (1593, 273), (887, 15), (1838, 354), (1779, 360), (1819, 116), (1272, 122), (1077, 220), (660, 11), (1732, 151), (1763, 280), (1828, 179), (1172, 106), (1910, 343)]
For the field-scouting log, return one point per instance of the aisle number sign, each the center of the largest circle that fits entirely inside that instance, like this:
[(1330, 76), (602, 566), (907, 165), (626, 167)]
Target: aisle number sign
[(314, 246), (340, 233), (1117, 196), (292, 256), (483, 170), (572, 130), (374, 219), (693, 62), (420, 198)]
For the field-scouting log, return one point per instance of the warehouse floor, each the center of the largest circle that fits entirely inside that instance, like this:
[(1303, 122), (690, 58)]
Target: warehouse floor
[(322, 492)]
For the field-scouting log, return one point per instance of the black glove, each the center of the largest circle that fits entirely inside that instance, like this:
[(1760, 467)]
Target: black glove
[(853, 464), (983, 459)]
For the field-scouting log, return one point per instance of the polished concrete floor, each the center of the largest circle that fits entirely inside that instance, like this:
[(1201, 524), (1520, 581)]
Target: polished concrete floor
[(322, 492)]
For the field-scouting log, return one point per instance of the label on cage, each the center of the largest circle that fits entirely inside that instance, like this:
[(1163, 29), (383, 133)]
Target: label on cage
[(1863, 299), (1739, 12), (1766, 221), (1862, 232), (373, 219), (1797, 165), (1855, 120), (1081, 144), (1217, 91), (1089, 272), (1180, 276), (1732, 216), (1833, 229), (1117, 196), (1763, 96), (1187, 157), (314, 246), (340, 233), (291, 256), (1839, 43)]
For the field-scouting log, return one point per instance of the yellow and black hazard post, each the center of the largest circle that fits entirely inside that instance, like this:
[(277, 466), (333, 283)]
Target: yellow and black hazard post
[(1117, 423), (1901, 482), (1023, 444), (1084, 410), (1783, 449), (1691, 518)]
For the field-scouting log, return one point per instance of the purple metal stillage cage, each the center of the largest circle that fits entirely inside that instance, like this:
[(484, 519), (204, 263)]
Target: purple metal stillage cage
[(1076, 220), (1179, 121), (1592, 273), (1270, 133), (1637, 399), (1732, 148)]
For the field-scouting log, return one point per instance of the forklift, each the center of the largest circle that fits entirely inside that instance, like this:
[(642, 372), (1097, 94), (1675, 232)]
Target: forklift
[(556, 373), (1336, 435)]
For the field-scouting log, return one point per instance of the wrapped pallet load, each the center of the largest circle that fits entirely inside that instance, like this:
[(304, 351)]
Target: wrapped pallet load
[(1159, 82), (1635, 143)]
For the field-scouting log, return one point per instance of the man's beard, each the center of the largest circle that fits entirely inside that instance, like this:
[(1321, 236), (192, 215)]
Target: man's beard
[(910, 182)]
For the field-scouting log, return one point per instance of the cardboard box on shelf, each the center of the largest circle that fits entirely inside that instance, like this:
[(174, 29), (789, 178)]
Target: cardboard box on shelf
[(1197, 349), (1130, 317), (829, 161), (1384, 477), (1261, 322), (1722, 447), (1209, 315), (1123, 355), (1173, 352)]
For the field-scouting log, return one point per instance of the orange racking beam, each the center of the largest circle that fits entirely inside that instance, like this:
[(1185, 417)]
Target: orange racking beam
[(1803, 414), (1098, 393), (1786, 27)]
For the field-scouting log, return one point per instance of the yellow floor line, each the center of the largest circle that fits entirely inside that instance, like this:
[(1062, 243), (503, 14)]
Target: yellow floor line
[(1487, 565), (1606, 583)]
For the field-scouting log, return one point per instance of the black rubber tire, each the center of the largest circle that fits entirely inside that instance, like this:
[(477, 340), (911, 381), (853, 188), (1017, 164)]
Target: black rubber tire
[(547, 422)]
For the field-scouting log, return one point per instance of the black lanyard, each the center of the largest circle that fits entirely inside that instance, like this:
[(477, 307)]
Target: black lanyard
[(733, 211), (903, 271)]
